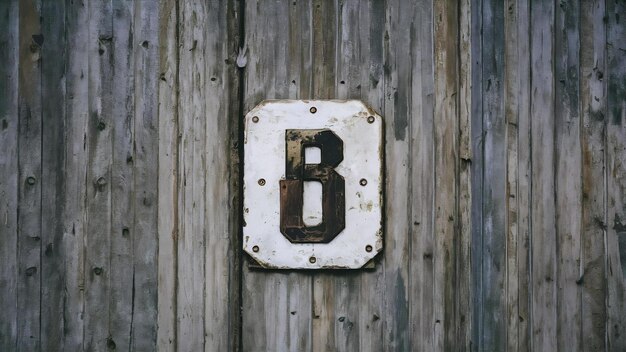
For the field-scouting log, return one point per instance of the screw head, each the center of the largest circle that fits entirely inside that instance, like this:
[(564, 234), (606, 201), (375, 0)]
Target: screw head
[(368, 248), (312, 260), (363, 182), (371, 119), (255, 249), (255, 119), (261, 182), (313, 110), (30, 180)]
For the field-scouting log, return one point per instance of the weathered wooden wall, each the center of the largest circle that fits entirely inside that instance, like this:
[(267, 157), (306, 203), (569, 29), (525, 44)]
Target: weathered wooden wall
[(120, 131), (549, 175)]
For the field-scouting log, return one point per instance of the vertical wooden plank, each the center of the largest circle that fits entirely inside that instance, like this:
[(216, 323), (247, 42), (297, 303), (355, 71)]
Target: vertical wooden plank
[(397, 114), (53, 191), (516, 97), (567, 174), (143, 328), (222, 205), (511, 138), (477, 177), (494, 198), (408, 81), (276, 306), (29, 178), (168, 211), (543, 228), (9, 118), (523, 192), (76, 182), (593, 114), (446, 163), (98, 183), (421, 221), (122, 165), (464, 292), (616, 175), (192, 124)]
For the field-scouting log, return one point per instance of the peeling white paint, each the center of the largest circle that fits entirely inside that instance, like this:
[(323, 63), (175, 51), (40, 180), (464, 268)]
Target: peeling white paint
[(264, 159)]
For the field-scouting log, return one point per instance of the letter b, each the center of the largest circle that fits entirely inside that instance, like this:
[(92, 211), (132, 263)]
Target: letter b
[(333, 186)]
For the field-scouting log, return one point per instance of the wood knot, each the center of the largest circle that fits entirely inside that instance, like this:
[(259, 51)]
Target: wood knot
[(100, 183), (97, 271), (31, 271), (110, 343), (31, 180)]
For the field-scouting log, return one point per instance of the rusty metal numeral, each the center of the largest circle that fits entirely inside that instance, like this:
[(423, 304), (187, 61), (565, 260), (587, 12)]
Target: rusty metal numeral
[(333, 186)]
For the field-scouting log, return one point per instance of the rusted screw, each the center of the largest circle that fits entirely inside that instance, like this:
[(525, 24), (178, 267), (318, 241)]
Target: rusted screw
[(255, 249), (255, 119), (313, 110), (371, 119), (363, 182), (312, 260), (368, 248), (261, 182), (30, 180)]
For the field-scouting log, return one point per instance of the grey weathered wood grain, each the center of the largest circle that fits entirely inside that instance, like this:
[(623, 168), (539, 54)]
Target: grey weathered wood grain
[(418, 89), (168, 213), (511, 104), (505, 174), (122, 174), (76, 183), (494, 187), (53, 192), (463, 298), (143, 327), (593, 100), (477, 176), (9, 118), (616, 175), (99, 182), (221, 181), (446, 140), (568, 167), (524, 183), (400, 93), (29, 178), (192, 165), (543, 212), (516, 109)]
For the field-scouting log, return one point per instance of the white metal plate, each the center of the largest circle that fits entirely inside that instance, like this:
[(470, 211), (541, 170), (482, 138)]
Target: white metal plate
[(361, 131)]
